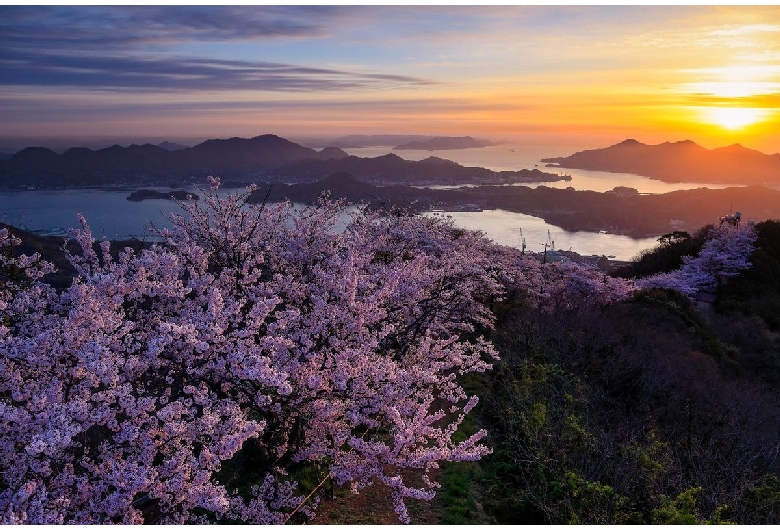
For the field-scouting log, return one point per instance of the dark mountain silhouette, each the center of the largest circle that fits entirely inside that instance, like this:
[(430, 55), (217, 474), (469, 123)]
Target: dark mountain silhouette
[(343, 185), (266, 157), (440, 143), (153, 165), (679, 162), (392, 169), (171, 146)]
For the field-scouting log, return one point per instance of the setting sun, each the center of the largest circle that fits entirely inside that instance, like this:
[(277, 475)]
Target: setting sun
[(734, 118), (734, 97)]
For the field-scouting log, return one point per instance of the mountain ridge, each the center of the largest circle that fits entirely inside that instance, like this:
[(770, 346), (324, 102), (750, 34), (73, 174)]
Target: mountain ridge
[(152, 164), (683, 161), (267, 156)]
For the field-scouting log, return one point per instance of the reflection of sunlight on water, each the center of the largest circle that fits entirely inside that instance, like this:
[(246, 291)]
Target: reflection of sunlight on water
[(111, 215), (503, 227), (512, 158), (602, 181)]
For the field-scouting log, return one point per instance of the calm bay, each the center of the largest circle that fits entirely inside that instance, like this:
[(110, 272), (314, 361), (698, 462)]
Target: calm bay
[(112, 216)]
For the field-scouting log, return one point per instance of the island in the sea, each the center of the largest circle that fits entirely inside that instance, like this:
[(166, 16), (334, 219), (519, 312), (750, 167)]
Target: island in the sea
[(286, 170), (443, 143), (174, 195), (391, 169), (619, 211), (683, 161)]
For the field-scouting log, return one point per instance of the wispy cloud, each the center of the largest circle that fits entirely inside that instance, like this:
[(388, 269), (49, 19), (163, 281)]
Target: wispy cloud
[(748, 29), (172, 73), (134, 105), (758, 101), (128, 48)]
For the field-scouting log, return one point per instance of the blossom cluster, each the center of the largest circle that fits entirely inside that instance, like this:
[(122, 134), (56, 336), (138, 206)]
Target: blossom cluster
[(261, 329), (331, 336), (725, 254)]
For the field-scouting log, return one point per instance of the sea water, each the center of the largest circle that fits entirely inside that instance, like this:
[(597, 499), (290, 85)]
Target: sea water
[(111, 216)]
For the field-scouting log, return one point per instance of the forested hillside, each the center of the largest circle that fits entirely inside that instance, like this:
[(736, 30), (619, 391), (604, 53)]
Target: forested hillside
[(263, 358), (648, 411)]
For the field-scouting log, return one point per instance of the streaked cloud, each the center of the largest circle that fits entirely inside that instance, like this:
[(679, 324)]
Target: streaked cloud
[(172, 73), (769, 100), (749, 29)]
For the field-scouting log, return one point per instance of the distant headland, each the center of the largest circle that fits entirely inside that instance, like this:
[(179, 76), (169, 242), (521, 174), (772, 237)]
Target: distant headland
[(683, 161), (177, 195), (619, 211)]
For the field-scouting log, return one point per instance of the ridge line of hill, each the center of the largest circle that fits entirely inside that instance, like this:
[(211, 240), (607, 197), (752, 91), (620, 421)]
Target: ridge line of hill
[(683, 161), (267, 156)]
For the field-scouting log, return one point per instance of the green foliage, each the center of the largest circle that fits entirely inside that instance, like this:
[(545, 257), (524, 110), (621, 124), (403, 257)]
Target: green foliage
[(457, 495), (535, 418), (678, 510), (681, 308), (637, 413)]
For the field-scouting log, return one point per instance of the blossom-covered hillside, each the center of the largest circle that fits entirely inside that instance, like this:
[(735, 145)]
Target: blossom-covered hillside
[(197, 380)]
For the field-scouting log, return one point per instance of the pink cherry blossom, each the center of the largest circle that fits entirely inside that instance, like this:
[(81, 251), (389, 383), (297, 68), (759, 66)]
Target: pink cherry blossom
[(261, 330), (266, 334)]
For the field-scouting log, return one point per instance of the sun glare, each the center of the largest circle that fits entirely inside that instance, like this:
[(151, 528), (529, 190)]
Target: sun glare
[(732, 97), (734, 118)]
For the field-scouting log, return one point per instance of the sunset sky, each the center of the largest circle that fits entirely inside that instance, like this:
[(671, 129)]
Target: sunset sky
[(601, 74)]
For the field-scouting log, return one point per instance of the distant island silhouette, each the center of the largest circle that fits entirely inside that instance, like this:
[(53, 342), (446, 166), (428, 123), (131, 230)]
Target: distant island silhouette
[(172, 146), (287, 170), (179, 195), (441, 143), (683, 161), (619, 211), (399, 141), (268, 157), (392, 169)]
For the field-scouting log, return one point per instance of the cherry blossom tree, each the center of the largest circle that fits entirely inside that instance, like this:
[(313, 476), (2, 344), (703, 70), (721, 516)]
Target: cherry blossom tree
[(188, 381), (725, 254), (252, 330)]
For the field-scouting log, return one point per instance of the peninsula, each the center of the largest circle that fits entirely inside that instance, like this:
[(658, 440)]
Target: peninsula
[(178, 195), (683, 161), (619, 211)]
